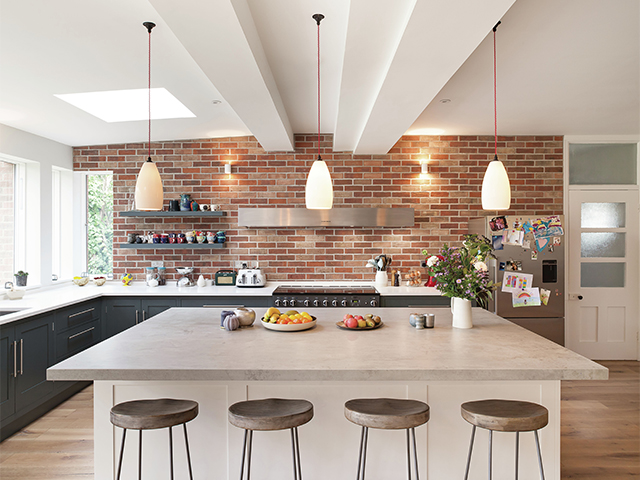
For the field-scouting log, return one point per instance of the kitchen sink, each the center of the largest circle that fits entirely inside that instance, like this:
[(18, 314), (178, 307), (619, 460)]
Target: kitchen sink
[(7, 312)]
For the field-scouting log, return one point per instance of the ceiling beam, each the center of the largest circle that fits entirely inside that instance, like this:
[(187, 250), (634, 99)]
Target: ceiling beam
[(438, 38), (221, 37)]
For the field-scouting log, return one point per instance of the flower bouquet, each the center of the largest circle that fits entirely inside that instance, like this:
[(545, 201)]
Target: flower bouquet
[(462, 272)]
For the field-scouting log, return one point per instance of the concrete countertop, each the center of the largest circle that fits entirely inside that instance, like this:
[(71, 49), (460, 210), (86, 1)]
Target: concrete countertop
[(188, 344), (42, 300)]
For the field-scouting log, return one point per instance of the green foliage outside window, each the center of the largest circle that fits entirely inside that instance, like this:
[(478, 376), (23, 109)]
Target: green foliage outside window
[(100, 224)]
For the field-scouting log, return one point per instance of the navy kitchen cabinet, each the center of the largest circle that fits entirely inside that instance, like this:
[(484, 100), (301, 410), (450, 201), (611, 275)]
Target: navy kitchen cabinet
[(230, 302), (125, 312), (8, 371)]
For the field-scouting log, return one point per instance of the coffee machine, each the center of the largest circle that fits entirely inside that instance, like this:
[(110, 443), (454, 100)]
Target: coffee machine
[(250, 275)]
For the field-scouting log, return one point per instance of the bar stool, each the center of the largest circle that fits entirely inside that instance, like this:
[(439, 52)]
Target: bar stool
[(387, 414), (150, 415), (270, 414), (505, 416)]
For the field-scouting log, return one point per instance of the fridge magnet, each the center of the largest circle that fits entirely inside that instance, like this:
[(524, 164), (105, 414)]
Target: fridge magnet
[(512, 236), (514, 282), (517, 224), (496, 242), (534, 255), (498, 223), (551, 248), (544, 296), (502, 266), (526, 244), (556, 241), (526, 298), (513, 266)]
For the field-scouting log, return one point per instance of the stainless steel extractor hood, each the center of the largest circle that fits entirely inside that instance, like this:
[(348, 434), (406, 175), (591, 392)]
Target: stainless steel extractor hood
[(336, 217)]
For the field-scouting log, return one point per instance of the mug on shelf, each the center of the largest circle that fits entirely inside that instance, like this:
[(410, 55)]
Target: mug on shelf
[(164, 238), (174, 205), (185, 202), (131, 237), (156, 238), (204, 207), (215, 207)]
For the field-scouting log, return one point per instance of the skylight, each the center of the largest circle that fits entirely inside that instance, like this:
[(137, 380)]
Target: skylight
[(128, 105)]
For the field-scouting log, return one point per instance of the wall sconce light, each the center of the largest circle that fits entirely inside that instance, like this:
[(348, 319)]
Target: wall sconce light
[(227, 168), (424, 168)]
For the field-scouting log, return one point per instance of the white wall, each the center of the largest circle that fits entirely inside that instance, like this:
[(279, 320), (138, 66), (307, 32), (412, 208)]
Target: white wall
[(40, 154)]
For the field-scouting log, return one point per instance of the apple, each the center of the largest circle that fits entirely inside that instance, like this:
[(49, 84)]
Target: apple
[(351, 322), (348, 315), (358, 317)]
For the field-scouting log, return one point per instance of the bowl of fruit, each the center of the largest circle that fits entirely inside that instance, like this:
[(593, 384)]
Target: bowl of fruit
[(359, 322), (290, 321)]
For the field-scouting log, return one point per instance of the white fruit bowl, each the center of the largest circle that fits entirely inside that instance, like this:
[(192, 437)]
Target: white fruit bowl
[(289, 327)]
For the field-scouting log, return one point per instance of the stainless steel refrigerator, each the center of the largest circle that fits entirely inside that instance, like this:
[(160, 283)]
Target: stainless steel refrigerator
[(547, 270)]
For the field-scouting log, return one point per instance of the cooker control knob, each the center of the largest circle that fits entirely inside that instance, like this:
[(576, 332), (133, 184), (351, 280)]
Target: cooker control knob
[(343, 303), (284, 303), (277, 302), (374, 303), (306, 303), (315, 302), (334, 303), (325, 302), (292, 302)]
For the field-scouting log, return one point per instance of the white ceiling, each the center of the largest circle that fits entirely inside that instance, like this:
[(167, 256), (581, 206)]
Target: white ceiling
[(568, 67)]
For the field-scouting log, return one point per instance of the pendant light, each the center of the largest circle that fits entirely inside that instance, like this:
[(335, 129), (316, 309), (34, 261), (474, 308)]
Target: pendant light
[(496, 189), (149, 195), (319, 188)]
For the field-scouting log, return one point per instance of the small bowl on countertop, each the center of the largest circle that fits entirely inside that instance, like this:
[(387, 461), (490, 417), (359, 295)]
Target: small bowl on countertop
[(15, 294), (99, 281), (80, 281)]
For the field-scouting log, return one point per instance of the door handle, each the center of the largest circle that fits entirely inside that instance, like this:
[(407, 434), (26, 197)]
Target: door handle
[(81, 333), (579, 297), (15, 359), (144, 315), (137, 313), (83, 312), (21, 356)]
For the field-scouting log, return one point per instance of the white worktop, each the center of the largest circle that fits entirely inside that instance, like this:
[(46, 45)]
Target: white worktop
[(43, 300), (188, 344)]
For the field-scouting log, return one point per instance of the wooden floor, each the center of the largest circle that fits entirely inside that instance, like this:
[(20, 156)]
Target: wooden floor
[(600, 434)]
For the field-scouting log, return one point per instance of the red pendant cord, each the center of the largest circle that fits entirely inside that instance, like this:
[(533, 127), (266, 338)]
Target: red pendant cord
[(318, 89), (149, 94), (495, 94)]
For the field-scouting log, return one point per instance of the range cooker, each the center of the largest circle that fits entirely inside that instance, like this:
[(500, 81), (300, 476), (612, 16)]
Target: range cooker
[(324, 296)]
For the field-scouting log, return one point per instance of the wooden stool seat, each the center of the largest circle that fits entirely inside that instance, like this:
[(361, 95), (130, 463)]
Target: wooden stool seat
[(270, 414), (153, 414), (386, 413), (505, 415)]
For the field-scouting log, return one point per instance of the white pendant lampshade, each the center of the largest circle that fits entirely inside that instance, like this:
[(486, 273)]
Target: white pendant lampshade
[(149, 194), (496, 189), (319, 189)]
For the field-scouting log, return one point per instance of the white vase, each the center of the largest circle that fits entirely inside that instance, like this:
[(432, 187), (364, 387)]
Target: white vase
[(381, 278), (461, 311)]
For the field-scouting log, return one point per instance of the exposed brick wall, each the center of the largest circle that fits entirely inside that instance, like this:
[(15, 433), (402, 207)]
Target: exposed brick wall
[(7, 222), (443, 201)]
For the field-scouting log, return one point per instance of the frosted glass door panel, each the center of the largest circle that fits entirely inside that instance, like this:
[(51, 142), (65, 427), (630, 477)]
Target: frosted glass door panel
[(602, 244), (603, 164), (602, 275), (602, 215)]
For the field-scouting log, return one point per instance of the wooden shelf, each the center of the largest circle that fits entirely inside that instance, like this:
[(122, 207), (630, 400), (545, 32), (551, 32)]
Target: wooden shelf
[(170, 246), (137, 213)]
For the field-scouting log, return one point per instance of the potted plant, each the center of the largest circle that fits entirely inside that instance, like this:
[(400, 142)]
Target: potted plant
[(21, 278), (461, 273)]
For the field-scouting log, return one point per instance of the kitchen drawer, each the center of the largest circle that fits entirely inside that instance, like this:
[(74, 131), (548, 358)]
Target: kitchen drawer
[(227, 302), (72, 317), (75, 340)]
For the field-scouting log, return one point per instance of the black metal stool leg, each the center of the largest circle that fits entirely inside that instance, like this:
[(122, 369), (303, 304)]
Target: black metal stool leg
[(140, 457), (293, 450), (124, 435), (408, 456), (517, 451), (364, 452), (473, 436), (490, 452), (186, 442), (244, 453), (539, 455), (249, 455), (298, 454), (415, 452), (171, 450), (360, 454)]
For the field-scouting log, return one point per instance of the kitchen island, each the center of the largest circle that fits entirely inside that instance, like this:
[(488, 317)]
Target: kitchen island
[(183, 353)]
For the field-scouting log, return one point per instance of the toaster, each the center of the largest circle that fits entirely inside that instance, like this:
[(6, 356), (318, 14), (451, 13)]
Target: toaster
[(251, 277)]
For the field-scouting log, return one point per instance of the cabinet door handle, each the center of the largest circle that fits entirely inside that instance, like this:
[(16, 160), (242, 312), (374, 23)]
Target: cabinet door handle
[(15, 359), (81, 313), (223, 306), (137, 313), (81, 333), (21, 356), (144, 315)]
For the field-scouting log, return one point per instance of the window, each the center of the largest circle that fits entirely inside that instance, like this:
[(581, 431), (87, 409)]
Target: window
[(100, 224), (7, 220)]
